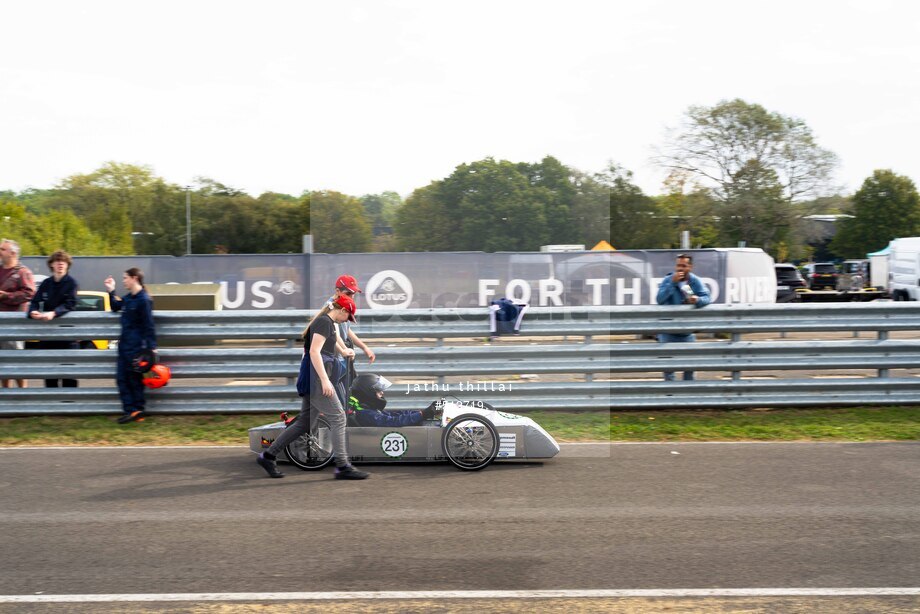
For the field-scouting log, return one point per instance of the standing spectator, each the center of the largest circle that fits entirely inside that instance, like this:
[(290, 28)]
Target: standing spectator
[(16, 290), (319, 372), (137, 334), (56, 296), (678, 288)]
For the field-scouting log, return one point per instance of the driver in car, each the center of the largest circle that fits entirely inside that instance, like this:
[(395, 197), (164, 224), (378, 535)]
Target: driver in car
[(368, 400)]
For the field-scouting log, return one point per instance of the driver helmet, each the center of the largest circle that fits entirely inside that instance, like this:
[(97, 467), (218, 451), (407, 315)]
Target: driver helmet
[(369, 390)]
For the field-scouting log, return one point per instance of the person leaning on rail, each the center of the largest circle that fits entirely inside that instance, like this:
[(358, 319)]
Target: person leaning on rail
[(681, 287), (56, 296), (17, 287)]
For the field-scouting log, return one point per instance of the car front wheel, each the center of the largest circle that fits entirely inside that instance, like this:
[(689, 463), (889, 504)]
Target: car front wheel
[(470, 442)]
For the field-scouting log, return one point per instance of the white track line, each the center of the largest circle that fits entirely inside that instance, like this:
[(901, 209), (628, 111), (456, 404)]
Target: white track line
[(540, 594)]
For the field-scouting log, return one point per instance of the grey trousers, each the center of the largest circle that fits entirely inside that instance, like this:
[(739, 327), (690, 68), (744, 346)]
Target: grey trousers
[(310, 409)]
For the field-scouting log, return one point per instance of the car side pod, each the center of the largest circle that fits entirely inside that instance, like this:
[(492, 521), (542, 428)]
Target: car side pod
[(470, 435)]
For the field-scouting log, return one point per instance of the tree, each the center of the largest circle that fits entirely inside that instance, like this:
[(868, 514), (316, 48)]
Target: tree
[(561, 199), (634, 219), (107, 200), (690, 207), (41, 234), (754, 210), (717, 143), (380, 212), (756, 165), (337, 223), (497, 205), (886, 207)]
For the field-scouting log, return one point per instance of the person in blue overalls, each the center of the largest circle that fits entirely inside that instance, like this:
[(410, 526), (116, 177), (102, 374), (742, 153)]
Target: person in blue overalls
[(137, 334)]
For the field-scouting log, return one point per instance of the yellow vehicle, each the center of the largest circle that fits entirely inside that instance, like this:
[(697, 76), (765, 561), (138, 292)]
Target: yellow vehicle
[(93, 301)]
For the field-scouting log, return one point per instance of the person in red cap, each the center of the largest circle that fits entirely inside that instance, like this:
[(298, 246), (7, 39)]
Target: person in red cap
[(320, 373), (346, 285)]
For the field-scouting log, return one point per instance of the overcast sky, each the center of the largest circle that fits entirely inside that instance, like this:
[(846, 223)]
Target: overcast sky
[(367, 96)]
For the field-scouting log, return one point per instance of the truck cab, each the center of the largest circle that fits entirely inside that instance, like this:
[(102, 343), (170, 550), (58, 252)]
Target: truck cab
[(904, 269)]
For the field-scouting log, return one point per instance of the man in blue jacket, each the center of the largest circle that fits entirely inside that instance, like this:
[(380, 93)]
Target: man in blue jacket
[(681, 287)]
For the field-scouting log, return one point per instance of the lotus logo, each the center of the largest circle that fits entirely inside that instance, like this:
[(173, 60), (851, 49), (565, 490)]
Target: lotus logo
[(389, 289)]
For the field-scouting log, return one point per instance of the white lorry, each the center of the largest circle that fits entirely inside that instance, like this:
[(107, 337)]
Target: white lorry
[(904, 269)]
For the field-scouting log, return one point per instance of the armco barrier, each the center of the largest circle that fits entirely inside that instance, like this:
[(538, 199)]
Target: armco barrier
[(571, 344), (219, 379)]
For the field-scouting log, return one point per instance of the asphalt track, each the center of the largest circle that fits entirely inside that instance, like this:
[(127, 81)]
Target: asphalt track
[(627, 517)]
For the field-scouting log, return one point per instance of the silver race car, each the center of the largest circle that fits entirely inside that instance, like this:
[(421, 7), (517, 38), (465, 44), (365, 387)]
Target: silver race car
[(469, 435)]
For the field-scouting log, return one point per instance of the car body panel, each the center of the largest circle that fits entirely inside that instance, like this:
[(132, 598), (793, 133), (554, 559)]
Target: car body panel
[(88, 300), (520, 437), (788, 280), (821, 275)]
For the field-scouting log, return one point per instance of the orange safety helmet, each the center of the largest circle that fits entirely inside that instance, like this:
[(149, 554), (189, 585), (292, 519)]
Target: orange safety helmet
[(157, 377)]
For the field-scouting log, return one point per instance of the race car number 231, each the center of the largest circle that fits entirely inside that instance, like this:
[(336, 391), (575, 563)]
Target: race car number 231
[(394, 444)]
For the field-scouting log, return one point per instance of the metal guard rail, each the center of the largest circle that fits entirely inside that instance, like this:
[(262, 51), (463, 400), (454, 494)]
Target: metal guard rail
[(589, 360), (451, 323)]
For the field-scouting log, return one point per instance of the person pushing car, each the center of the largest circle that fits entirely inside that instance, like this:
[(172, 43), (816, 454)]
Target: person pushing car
[(346, 285)]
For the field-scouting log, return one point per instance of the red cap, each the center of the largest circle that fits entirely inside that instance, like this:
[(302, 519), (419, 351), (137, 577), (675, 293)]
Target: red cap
[(347, 304), (347, 282)]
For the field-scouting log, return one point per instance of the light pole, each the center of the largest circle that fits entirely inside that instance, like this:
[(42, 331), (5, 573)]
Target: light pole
[(188, 220)]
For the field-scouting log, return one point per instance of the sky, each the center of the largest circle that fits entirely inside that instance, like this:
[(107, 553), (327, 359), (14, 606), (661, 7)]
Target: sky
[(366, 96)]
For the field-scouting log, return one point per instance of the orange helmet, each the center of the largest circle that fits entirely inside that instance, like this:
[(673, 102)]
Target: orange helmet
[(157, 377)]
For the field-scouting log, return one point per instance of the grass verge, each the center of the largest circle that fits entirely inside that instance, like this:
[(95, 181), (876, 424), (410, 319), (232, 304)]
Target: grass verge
[(848, 424)]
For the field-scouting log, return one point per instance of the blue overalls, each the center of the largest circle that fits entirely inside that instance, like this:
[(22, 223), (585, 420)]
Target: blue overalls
[(137, 333)]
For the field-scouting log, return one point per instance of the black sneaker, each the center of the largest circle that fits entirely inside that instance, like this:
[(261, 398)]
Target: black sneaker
[(134, 416), (350, 473), (270, 467)]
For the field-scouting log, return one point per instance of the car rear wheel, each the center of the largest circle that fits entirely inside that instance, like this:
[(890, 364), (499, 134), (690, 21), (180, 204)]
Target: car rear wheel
[(470, 442), (312, 451)]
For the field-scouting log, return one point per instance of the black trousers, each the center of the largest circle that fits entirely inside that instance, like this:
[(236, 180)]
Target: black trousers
[(56, 345)]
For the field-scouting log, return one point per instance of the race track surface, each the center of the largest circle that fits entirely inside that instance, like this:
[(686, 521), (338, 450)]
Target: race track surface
[(667, 516)]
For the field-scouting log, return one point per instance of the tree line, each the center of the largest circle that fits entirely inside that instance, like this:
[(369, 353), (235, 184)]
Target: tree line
[(737, 174)]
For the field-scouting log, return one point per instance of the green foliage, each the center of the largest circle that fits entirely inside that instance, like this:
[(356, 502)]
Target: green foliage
[(338, 224), (828, 424), (887, 206), (754, 210), (755, 163), (717, 143), (106, 200), (380, 212), (126, 209), (494, 205), (41, 234), (636, 221), (692, 208)]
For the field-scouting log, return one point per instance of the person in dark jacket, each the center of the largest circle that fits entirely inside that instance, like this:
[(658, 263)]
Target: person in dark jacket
[(56, 296), (137, 334), (368, 401)]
